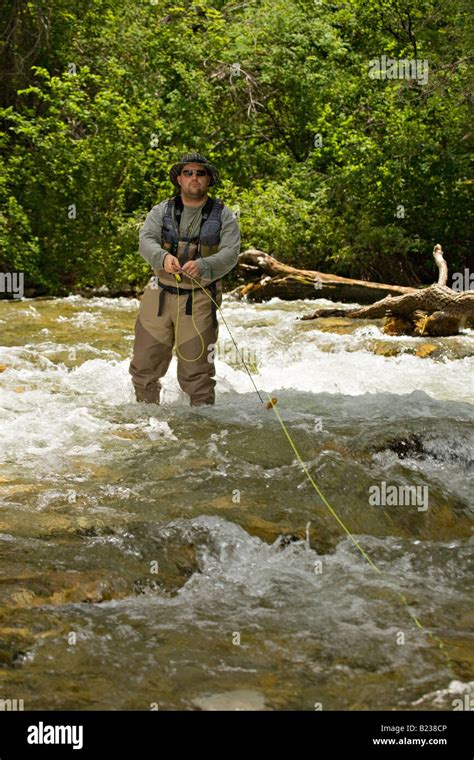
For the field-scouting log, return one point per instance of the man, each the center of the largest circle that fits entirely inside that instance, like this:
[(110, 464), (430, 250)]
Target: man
[(189, 240)]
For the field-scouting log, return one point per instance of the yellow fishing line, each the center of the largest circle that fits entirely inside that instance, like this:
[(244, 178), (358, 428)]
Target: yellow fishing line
[(194, 323), (331, 509)]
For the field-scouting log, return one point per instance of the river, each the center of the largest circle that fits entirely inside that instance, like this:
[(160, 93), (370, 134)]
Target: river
[(163, 557)]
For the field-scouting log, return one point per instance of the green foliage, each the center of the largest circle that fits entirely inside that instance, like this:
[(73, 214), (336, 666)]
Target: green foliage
[(330, 168)]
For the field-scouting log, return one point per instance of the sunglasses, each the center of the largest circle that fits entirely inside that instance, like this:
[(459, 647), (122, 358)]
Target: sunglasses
[(197, 172)]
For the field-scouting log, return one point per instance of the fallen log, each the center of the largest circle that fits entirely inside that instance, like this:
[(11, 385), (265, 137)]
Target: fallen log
[(436, 310), (271, 278)]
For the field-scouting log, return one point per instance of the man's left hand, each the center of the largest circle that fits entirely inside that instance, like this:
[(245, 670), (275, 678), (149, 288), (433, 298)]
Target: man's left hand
[(191, 268)]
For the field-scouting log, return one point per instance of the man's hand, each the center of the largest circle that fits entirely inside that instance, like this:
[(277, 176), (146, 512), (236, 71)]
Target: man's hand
[(171, 264), (191, 268)]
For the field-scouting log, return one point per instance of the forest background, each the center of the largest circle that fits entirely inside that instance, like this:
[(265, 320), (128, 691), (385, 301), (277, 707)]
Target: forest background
[(341, 131)]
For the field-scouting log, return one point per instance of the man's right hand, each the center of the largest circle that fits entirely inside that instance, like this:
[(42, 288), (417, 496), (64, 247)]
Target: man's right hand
[(171, 264)]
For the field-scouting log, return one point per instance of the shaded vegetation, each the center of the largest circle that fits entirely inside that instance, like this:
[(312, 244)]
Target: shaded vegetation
[(329, 168)]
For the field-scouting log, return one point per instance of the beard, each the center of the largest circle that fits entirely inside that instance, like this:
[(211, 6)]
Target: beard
[(195, 192)]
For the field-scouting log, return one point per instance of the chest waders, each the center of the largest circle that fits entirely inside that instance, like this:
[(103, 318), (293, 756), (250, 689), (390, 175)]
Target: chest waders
[(206, 243)]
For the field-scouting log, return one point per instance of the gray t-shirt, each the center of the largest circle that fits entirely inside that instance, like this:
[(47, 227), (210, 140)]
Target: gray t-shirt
[(190, 222), (210, 267)]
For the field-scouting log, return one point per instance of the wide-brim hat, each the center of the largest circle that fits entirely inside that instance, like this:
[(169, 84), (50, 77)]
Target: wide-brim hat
[(193, 158)]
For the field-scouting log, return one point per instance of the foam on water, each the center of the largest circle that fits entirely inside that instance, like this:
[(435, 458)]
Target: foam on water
[(47, 406), (290, 357)]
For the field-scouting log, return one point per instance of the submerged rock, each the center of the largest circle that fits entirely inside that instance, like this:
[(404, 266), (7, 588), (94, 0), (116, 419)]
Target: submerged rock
[(240, 699), (60, 588), (338, 325), (426, 349), (175, 564), (382, 348)]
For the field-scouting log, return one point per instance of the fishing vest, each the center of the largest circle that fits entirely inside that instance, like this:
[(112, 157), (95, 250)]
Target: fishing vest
[(206, 243)]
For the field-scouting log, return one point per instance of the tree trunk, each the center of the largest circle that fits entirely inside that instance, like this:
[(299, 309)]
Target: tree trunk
[(436, 310), (272, 278)]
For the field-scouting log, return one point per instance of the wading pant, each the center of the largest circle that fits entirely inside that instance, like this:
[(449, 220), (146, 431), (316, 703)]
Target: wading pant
[(192, 335)]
